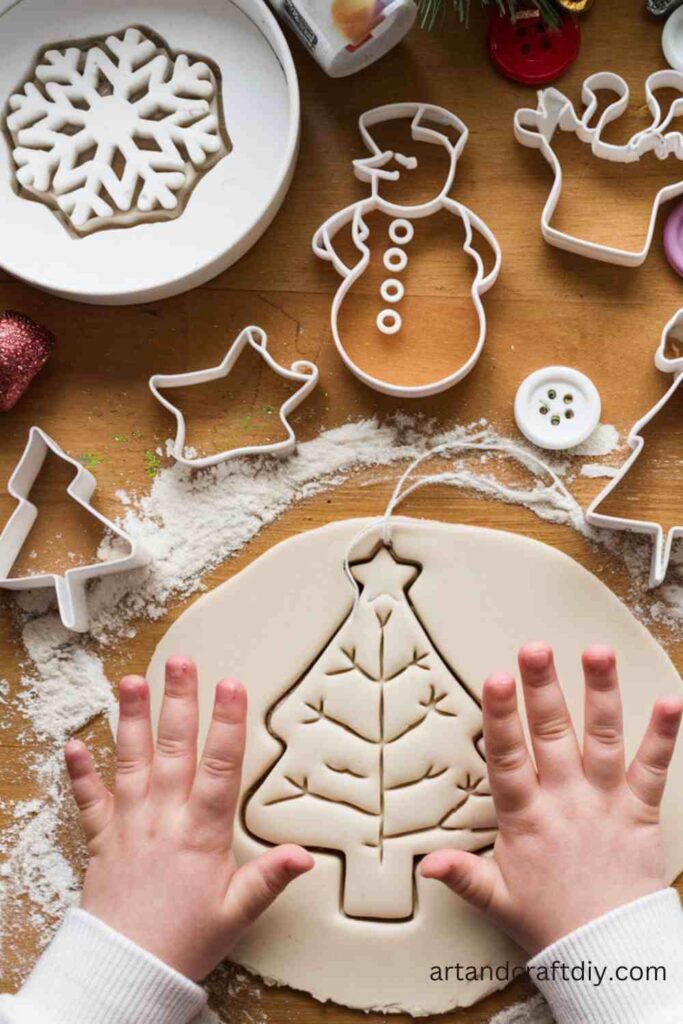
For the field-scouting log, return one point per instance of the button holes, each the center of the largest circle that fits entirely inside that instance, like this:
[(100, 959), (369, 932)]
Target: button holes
[(555, 420), (568, 398), (569, 414), (540, 28), (544, 410), (546, 44), (552, 393), (521, 32), (525, 48)]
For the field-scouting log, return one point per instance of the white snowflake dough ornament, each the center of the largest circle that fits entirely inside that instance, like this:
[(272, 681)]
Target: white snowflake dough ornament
[(116, 130), (381, 761), (668, 359), (430, 124)]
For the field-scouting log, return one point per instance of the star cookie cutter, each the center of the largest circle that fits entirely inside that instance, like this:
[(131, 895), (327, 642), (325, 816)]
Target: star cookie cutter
[(71, 586), (661, 552), (301, 371), (428, 123), (536, 127)]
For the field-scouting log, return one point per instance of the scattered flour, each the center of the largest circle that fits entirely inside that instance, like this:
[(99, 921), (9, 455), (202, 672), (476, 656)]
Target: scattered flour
[(189, 523), (595, 469), (603, 441), (534, 1011)]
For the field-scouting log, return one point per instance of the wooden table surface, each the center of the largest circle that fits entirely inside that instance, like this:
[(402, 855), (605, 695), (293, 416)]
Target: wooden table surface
[(547, 307)]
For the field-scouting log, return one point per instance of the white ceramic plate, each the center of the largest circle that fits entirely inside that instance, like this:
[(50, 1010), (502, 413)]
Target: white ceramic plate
[(228, 208), (672, 39)]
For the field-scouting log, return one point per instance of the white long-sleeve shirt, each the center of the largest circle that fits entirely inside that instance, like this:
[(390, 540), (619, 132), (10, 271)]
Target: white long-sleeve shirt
[(91, 974)]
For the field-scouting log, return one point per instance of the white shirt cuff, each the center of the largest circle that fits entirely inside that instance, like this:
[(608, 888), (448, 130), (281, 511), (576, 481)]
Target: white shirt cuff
[(622, 946), (90, 974)]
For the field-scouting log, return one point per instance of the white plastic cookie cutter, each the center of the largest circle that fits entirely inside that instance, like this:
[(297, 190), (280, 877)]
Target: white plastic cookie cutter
[(535, 128), (661, 553), (301, 371), (428, 123), (71, 587)]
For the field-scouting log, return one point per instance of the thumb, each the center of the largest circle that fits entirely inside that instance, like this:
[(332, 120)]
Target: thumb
[(471, 877), (258, 883)]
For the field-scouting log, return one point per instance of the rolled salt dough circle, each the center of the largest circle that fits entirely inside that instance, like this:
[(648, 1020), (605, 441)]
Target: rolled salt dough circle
[(279, 625)]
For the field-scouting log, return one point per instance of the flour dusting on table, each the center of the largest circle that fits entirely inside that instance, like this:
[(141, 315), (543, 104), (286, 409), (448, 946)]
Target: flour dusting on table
[(190, 522)]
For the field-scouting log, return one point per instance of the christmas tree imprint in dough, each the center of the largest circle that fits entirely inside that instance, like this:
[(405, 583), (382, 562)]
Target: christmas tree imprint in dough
[(115, 130), (381, 759), (396, 237)]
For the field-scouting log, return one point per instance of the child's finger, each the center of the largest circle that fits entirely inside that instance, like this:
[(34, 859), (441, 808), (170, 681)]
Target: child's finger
[(133, 740), (217, 782), (175, 758), (512, 776), (468, 876), (603, 744), (552, 734), (647, 773), (259, 882), (93, 799)]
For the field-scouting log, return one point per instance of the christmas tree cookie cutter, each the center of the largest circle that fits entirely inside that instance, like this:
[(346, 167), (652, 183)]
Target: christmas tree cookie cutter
[(71, 586), (428, 123), (535, 128), (302, 372), (663, 543)]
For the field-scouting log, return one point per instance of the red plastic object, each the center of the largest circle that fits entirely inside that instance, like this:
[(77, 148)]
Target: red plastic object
[(528, 50)]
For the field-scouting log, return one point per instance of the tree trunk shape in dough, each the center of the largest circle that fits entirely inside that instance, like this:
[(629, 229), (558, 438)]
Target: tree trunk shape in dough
[(380, 758)]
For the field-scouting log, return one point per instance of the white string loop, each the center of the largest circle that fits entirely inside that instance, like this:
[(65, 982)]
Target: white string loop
[(478, 443)]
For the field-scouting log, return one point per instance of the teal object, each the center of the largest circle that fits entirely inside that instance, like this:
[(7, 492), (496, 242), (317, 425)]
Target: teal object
[(662, 8)]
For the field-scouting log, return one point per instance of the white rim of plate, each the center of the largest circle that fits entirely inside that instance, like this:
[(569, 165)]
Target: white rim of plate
[(673, 27)]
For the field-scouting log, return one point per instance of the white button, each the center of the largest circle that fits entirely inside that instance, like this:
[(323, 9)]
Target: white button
[(401, 231), (557, 407), (395, 259), (392, 290)]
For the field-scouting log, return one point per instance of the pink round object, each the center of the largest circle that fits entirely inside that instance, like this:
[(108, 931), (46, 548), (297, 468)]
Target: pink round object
[(673, 239), (24, 349)]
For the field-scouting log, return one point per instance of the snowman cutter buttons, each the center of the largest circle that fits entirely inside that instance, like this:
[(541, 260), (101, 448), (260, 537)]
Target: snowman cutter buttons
[(431, 124), (557, 408)]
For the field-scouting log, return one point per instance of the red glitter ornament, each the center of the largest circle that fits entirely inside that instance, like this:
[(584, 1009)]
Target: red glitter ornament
[(24, 349)]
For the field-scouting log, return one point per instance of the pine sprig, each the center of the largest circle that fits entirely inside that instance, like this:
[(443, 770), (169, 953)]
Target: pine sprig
[(432, 12)]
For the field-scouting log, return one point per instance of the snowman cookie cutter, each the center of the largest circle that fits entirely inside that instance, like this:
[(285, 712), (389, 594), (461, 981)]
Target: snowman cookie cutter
[(663, 543), (536, 128), (302, 372), (432, 124), (71, 586)]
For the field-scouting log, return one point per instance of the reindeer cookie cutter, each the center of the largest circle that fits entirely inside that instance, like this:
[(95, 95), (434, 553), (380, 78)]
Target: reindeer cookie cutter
[(663, 543), (536, 127), (302, 372), (71, 586), (428, 123)]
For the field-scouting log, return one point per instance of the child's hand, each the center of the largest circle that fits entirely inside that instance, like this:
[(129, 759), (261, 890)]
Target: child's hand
[(579, 834), (161, 869)]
